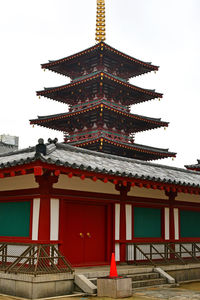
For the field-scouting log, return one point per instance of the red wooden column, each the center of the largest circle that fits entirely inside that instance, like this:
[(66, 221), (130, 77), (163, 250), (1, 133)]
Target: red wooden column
[(123, 196), (172, 196), (45, 182)]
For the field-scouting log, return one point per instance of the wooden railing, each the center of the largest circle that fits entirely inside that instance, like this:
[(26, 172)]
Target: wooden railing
[(163, 253), (32, 259)]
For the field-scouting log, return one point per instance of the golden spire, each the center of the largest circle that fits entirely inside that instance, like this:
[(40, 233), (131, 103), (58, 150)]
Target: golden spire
[(100, 21)]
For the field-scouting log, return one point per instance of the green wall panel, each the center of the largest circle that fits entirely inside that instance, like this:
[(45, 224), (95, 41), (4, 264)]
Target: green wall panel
[(15, 219), (147, 222), (189, 223)]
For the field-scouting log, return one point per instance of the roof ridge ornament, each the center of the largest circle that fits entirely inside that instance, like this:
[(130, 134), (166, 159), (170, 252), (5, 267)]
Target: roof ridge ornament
[(100, 22)]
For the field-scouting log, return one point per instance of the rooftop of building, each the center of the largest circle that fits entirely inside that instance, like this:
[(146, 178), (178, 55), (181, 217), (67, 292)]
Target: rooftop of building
[(63, 155)]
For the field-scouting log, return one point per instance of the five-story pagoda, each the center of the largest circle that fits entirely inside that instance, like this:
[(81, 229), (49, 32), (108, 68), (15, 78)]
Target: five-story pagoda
[(99, 98)]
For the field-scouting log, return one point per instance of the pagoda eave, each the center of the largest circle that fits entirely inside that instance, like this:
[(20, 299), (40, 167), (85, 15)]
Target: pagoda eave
[(101, 83), (132, 151), (135, 123), (60, 66)]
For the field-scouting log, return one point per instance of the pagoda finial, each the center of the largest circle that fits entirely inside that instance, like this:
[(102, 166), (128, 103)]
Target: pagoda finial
[(100, 21)]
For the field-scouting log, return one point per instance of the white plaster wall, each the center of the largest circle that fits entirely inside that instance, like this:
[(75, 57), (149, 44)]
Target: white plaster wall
[(86, 185), (176, 223), (117, 221), (54, 222), (166, 212), (188, 197), (18, 183), (128, 222), (35, 221), (117, 252), (147, 193)]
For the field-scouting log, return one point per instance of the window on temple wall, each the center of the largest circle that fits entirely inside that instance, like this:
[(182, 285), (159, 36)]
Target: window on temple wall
[(147, 222), (189, 223), (15, 219)]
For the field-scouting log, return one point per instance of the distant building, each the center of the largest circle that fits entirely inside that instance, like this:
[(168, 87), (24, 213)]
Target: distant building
[(8, 143)]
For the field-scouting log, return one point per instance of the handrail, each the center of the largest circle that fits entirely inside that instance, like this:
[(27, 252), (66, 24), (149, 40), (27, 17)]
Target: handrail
[(34, 259), (152, 254), (159, 253), (190, 253), (175, 253), (144, 254)]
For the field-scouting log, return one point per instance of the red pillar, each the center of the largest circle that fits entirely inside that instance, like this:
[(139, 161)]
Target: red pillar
[(44, 219), (171, 223), (122, 232), (45, 182)]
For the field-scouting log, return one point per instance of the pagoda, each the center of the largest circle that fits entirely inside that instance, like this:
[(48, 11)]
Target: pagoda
[(99, 97)]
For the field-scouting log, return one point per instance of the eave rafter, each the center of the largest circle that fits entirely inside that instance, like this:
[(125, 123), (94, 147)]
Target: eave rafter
[(38, 168), (66, 92), (61, 65), (158, 153), (135, 123)]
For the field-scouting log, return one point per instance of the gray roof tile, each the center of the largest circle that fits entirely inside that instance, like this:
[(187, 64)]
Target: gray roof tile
[(77, 158)]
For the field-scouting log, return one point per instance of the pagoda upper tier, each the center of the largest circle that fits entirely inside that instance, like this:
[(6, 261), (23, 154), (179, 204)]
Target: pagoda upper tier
[(99, 85), (100, 57)]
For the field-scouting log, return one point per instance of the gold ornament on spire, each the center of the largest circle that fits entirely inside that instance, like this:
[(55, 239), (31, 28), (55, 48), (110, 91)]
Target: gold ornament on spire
[(100, 21)]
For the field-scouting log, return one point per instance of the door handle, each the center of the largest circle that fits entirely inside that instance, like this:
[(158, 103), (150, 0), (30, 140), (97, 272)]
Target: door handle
[(88, 234), (81, 235)]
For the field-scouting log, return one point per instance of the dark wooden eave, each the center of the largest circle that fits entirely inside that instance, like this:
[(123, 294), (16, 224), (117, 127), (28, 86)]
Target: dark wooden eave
[(113, 86), (65, 65), (134, 123), (134, 150)]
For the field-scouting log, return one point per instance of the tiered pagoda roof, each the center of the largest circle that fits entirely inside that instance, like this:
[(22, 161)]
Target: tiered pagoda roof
[(97, 56), (99, 98), (90, 114), (99, 84)]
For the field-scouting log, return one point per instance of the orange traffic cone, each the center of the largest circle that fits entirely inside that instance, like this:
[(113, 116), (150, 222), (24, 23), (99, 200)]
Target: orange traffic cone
[(113, 268)]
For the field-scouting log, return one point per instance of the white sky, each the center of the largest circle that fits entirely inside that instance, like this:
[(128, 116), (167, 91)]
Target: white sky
[(164, 32)]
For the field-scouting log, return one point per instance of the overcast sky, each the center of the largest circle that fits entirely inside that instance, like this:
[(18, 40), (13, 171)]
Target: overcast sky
[(164, 32)]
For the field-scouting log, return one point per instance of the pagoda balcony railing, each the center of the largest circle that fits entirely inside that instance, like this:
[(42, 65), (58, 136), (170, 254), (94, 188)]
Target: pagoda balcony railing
[(88, 103), (112, 73), (163, 253), (115, 136), (35, 259)]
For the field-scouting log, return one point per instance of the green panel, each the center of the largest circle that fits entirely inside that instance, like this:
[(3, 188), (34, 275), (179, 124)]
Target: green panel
[(15, 219), (190, 223), (147, 222)]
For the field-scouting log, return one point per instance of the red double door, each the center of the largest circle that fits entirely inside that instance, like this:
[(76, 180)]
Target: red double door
[(84, 233)]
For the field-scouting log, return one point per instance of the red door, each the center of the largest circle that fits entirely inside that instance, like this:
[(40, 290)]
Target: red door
[(84, 233)]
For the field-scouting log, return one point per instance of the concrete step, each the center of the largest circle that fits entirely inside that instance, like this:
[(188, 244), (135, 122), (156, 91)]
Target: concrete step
[(149, 282), (93, 280), (135, 277), (143, 276), (166, 285)]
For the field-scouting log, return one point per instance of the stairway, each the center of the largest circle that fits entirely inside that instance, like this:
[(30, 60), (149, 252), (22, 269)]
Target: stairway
[(146, 280), (141, 280)]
